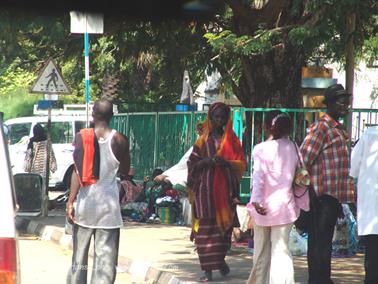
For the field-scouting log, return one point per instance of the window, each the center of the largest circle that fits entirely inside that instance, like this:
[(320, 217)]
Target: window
[(61, 132), (17, 132)]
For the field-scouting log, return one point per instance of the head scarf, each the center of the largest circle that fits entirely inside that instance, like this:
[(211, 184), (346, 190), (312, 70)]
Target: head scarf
[(230, 150), (39, 135)]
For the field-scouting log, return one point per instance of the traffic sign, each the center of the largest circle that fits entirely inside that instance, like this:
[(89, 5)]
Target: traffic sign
[(50, 81), (46, 104)]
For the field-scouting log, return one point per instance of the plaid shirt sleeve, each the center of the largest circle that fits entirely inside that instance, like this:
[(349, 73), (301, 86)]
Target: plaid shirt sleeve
[(312, 146)]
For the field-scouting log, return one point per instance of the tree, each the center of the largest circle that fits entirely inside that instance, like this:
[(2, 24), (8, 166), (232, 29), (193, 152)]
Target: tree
[(133, 60), (261, 45)]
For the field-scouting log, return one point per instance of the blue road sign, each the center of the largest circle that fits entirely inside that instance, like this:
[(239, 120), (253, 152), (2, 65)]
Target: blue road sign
[(46, 104)]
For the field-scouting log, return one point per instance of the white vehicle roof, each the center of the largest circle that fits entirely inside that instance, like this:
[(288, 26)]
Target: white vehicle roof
[(44, 119)]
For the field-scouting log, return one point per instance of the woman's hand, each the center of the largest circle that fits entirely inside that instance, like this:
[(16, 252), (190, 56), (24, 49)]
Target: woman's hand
[(259, 208), (235, 201), (219, 161), (204, 163)]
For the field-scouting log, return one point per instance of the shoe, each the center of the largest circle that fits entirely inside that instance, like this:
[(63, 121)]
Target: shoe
[(207, 277), (225, 269)]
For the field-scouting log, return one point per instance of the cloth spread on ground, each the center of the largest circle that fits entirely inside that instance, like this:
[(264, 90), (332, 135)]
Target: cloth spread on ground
[(87, 157)]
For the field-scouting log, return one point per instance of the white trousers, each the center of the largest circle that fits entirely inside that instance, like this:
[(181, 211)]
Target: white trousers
[(272, 260)]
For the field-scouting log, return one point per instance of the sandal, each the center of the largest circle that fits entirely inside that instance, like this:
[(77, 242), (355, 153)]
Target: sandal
[(207, 277), (225, 269)]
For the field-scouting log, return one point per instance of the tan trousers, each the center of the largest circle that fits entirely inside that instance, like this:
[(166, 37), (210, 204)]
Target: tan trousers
[(272, 261)]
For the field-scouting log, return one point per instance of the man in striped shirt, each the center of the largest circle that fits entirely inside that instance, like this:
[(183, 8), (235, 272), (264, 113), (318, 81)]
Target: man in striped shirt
[(326, 156)]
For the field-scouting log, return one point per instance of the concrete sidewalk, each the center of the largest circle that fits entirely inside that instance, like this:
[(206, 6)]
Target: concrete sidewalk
[(157, 253)]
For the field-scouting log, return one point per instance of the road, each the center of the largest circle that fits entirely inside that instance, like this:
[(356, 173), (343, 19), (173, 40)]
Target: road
[(43, 262)]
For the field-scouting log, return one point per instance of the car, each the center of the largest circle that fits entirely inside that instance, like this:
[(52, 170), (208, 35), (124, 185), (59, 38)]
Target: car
[(63, 129), (9, 261), (65, 123)]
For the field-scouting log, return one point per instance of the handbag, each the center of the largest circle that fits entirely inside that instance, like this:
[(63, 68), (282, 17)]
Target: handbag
[(301, 183)]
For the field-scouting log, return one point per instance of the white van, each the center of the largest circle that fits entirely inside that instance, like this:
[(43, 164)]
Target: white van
[(63, 130)]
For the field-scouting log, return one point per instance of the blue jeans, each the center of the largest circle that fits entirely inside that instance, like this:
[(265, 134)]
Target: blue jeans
[(106, 244)]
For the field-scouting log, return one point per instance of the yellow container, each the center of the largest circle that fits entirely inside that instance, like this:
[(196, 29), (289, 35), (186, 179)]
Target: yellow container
[(167, 215)]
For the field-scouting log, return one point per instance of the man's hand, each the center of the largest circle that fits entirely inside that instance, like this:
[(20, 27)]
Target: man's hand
[(70, 213)]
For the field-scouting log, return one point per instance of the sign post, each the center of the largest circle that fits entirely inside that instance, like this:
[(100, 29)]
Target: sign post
[(86, 23), (51, 83), (87, 93)]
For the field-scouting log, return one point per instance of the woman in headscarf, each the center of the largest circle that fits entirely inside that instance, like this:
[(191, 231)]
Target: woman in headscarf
[(215, 168), (36, 153)]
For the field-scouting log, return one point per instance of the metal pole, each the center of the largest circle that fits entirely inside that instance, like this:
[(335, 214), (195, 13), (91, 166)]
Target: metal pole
[(86, 53), (46, 195)]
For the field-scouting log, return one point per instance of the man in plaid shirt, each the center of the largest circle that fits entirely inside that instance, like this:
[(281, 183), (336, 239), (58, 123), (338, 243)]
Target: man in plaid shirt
[(326, 156)]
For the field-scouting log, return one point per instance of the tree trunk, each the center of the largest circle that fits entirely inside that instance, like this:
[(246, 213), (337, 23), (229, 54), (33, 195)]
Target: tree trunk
[(271, 80)]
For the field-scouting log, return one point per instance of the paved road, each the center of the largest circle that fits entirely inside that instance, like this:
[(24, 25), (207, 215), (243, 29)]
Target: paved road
[(43, 262)]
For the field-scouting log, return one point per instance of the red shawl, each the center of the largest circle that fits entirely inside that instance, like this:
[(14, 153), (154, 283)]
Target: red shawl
[(230, 150)]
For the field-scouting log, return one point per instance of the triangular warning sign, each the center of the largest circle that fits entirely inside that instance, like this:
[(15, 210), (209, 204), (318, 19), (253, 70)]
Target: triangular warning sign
[(50, 81)]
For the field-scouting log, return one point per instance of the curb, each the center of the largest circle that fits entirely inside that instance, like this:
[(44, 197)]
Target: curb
[(139, 269)]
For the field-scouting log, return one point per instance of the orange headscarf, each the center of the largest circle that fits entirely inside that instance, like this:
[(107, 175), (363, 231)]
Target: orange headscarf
[(230, 150)]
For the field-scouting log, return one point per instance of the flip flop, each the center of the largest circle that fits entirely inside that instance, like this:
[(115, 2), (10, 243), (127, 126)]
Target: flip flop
[(207, 277)]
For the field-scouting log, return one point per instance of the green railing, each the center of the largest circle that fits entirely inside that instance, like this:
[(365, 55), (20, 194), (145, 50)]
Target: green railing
[(160, 139), (157, 139), (302, 118)]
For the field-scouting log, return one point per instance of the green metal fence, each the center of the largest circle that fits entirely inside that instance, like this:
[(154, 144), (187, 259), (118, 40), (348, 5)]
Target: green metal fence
[(302, 118), (157, 139), (160, 139)]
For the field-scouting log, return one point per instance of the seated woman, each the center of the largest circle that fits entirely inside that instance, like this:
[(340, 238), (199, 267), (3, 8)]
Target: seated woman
[(129, 190)]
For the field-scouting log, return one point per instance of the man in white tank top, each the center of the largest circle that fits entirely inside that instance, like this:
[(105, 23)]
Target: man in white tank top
[(97, 212)]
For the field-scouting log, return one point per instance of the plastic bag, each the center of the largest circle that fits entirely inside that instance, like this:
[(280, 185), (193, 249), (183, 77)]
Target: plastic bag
[(297, 243)]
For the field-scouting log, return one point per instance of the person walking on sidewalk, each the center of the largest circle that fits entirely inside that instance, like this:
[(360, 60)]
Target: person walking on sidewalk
[(215, 167), (364, 167), (272, 204), (326, 156), (100, 153), (36, 153)]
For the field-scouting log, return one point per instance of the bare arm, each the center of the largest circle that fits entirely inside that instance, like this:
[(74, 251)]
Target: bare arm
[(120, 147), (74, 189)]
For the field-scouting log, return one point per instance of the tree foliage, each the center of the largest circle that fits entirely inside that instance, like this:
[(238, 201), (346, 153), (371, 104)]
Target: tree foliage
[(259, 47), (252, 31), (147, 58)]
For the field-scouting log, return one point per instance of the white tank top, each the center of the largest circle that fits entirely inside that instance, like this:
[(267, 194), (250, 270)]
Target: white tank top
[(98, 204)]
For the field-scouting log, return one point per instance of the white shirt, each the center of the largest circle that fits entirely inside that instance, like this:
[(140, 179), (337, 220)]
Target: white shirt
[(364, 166), (98, 204), (178, 174)]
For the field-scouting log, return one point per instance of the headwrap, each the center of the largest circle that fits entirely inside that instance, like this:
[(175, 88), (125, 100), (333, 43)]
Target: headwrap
[(230, 150)]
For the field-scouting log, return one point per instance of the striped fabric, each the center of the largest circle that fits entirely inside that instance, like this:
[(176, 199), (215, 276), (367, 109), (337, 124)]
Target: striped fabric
[(202, 182), (211, 245), (326, 156), (40, 156)]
